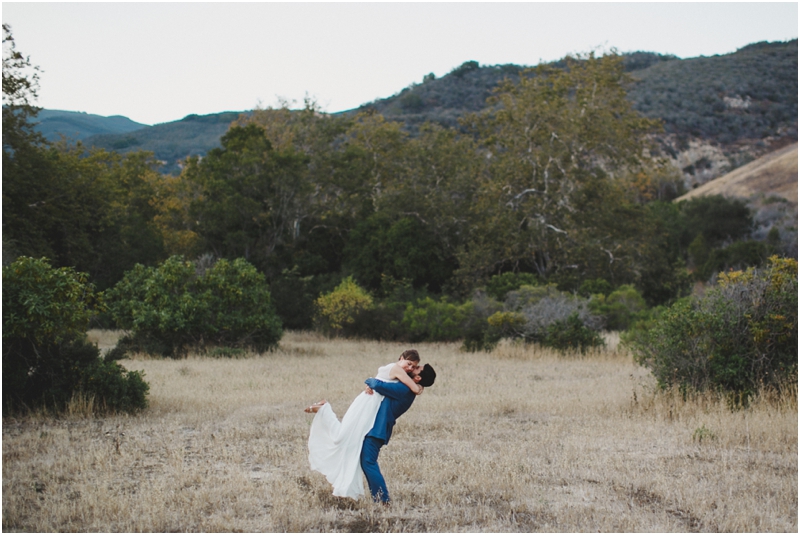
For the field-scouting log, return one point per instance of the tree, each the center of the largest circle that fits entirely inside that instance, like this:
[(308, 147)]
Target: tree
[(252, 197), (416, 229), (556, 142), (20, 87), (91, 210), (87, 209), (719, 219)]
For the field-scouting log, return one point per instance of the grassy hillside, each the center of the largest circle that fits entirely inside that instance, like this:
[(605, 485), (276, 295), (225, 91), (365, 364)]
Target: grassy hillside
[(769, 187), (772, 174), (76, 126)]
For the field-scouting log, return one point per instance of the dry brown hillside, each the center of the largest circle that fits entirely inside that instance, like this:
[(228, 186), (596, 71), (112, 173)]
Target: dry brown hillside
[(772, 174)]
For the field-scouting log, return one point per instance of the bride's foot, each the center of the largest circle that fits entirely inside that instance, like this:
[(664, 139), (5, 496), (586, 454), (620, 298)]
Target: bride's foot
[(316, 406)]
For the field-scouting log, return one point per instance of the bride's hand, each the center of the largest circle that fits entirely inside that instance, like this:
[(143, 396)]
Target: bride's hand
[(421, 388)]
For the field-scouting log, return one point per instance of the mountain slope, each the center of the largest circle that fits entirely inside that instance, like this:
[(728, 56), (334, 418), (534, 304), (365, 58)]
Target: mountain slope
[(194, 135), (751, 93), (718, 111), (772, 174), (76, 126)]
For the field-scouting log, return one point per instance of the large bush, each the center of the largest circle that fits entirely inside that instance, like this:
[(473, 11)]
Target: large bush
[(442, 321), (499, 285), (740, 336), (46, 357), (182, 305), (338, 310), (619, 308), (547, 316)]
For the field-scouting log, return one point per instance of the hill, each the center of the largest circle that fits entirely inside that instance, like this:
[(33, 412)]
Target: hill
[(769, 187), (172, 143), (719, 112), (772, 174), (751, 93), (76, 126)]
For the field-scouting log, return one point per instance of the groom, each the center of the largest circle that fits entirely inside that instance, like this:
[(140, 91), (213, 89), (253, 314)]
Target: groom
[(398, 399)]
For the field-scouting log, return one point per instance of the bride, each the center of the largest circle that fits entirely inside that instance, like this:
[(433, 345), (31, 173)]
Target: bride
[(334, 447)]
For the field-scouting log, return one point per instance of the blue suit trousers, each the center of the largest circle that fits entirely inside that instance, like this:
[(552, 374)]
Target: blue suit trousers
[(369, 464)]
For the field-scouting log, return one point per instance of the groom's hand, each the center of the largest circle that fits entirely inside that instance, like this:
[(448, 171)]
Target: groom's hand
[(369, 391)]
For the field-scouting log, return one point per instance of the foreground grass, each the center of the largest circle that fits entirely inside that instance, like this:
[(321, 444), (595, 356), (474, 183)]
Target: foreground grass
[(516, 440)]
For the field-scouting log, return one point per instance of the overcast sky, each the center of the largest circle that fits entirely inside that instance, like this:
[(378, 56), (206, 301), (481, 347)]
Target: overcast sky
[(158, 62)]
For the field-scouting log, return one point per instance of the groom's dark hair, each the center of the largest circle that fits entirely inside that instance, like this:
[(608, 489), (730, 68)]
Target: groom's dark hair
[(427, 375)]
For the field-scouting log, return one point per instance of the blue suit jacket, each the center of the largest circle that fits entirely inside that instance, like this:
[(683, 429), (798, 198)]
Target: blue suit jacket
[(398, 398)]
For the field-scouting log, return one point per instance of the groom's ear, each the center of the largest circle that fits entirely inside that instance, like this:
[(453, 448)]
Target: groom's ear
[(417, 378)]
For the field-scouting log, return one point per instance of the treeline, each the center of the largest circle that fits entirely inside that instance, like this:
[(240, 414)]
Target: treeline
[(550, 180)]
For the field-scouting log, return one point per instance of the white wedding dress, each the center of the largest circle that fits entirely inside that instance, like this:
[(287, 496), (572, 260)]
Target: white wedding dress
[(334, 447)]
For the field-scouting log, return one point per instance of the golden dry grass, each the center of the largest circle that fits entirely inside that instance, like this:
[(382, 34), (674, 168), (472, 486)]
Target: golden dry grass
[(521, 439), (774, 173)]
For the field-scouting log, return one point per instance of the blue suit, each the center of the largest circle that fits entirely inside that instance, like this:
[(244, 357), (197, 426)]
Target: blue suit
[(397, 400)]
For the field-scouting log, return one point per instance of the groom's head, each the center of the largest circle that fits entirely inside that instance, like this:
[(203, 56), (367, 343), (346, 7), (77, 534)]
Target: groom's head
[(426, 376)]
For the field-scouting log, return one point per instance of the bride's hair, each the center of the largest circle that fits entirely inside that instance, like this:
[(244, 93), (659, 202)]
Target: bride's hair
[(410, 354)]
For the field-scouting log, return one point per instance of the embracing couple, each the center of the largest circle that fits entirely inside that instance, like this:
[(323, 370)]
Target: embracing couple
[(341, 451)]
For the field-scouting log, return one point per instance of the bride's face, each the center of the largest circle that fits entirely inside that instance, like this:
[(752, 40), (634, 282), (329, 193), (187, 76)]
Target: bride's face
[(407, 365)]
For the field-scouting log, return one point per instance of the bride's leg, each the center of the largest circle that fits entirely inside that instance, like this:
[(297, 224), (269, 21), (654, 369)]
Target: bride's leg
[(316, 406)]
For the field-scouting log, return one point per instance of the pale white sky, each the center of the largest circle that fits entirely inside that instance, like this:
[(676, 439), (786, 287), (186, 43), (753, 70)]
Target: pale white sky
[(158, 62)]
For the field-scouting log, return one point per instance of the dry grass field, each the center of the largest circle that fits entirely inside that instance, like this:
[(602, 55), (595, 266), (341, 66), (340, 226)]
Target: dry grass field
[(518, 440)]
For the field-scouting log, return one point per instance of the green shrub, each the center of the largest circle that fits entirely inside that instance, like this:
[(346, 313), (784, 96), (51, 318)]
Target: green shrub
[(544, 315), (43, 304), (499, 285), (592, 287), (620, 308), (384, 320), (433, 320), (179, 306), (740, 336), (293, 296), (46, 357), (115, 388), (571, 334), (737, 256), (337, 311)]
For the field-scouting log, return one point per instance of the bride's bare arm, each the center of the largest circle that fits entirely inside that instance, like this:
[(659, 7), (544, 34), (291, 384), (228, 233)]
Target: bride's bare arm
[(400, 374)]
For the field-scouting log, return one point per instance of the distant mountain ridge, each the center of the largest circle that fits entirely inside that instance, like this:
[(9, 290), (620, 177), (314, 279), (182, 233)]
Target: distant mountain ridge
[(77, 126), (719, 112), (173, 142)]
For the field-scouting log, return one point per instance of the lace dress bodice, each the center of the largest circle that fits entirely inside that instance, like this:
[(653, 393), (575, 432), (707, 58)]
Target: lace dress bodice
[(383, 373)]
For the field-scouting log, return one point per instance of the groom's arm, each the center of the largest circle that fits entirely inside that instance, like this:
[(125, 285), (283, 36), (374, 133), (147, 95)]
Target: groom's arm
[(390, 390)]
